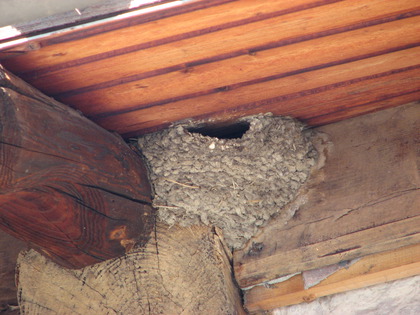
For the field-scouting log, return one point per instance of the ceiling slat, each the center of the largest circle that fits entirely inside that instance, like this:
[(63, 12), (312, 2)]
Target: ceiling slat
[(232, 58)]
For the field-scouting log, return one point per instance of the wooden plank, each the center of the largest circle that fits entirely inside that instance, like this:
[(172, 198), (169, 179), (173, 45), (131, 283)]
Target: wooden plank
[(294, 95), (311, 81), (359, 92), (364, 200), (226, 59), (244, 71), (158, 31), (338, 113), (249, 37), (72, 17), (373, 269)]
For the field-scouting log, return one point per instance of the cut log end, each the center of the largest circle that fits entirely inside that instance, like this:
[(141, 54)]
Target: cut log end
[(180, 271), (77, 193)]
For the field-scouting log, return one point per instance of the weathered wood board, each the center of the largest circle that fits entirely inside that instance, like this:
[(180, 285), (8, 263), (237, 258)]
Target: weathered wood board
[(181, 271), (319, 61), (372, 269), (366, 199)]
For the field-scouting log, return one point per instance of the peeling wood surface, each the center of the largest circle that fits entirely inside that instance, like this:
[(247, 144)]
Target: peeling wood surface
[(373, 269), (74, 191), (366, 199), (181, 271), (319, 61)]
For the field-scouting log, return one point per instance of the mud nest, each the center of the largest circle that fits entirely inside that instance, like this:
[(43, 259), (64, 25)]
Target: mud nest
[(235, 177)]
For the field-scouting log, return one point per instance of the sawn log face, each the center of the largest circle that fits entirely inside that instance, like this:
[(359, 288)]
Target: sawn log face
[(74, 191)]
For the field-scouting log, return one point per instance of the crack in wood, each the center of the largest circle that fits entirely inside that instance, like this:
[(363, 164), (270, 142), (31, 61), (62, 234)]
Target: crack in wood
[(42, 153), (2, 165), (116, 194), (81, 202), (370, 203), (411, 234), (85, 283), (340, 251), (385, 198)]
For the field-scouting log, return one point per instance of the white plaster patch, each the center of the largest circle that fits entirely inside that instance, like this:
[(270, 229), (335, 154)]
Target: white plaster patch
[(400, 297)]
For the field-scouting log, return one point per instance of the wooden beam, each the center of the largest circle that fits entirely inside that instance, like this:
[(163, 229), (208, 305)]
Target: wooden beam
[(180, 271), (370, 270), (74, 191), (80, 195), (363, 201)]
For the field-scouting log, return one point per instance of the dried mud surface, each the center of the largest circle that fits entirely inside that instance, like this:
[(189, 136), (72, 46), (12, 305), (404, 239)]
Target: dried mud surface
[(236, 182)]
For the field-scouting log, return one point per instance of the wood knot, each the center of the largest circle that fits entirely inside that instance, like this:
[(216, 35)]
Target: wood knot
[(119, 233), (309, 298)]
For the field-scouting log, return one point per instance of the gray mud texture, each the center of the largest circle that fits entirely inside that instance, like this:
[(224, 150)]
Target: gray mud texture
[(236, 181)]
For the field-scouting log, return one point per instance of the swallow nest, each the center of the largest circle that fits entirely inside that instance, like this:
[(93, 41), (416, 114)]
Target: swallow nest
[(234, 177)]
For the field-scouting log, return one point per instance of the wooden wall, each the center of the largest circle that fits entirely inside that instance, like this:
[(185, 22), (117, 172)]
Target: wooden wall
[(363, 201), (317, 60)]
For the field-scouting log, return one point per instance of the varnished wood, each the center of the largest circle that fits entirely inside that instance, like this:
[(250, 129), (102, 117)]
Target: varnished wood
[(373, 269), (363, 201), (225, 59), (75, 192)]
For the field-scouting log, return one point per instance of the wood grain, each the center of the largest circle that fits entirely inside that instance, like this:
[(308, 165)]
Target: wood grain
[(301, 95), (64, 51), (180, 271), (48, 30), (252, 37), (252, 71), (373, 269), (75, 192), (72, 17), (226, 59), (363, 201)]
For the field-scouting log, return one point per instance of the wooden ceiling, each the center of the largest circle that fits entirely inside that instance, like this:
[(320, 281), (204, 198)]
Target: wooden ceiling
[(317, 60)]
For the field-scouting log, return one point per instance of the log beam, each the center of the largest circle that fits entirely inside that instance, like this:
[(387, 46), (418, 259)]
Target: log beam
[(180, 271), (74, 191)]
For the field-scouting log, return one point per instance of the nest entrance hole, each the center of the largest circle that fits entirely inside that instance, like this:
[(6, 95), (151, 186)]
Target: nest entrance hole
[(222, 131)]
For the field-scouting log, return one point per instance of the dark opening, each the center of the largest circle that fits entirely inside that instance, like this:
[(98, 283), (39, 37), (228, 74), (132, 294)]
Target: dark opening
[(222, 131)]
